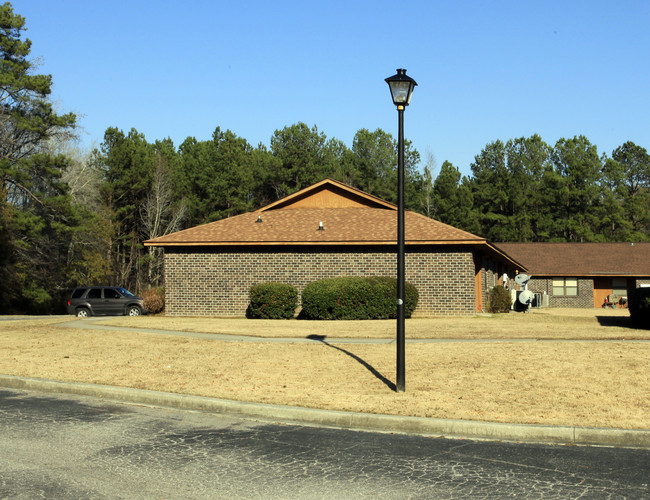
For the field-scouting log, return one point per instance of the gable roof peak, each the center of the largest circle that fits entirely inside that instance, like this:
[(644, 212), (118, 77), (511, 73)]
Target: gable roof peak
[(328, 193)]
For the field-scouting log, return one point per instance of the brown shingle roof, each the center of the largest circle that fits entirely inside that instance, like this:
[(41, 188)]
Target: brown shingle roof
[(349, 216), (581, 259), (355, 226)]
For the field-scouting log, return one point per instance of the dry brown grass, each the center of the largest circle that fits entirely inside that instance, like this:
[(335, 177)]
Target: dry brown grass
[(540, 324), (603, 384)]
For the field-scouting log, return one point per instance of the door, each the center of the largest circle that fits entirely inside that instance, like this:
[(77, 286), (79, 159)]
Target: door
[(97, 301), (114, 301), (602, 288), (478, 288)]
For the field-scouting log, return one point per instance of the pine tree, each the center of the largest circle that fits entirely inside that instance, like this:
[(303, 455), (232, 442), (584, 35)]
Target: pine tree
[(35, 210)]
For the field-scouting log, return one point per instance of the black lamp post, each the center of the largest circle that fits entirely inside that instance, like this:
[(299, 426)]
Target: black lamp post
[(401, 89)]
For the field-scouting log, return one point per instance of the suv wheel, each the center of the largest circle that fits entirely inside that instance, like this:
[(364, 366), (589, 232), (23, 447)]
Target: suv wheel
[(134, 311), (83, 312)]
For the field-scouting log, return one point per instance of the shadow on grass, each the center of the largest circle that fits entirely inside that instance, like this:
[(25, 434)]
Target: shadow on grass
[(620, 321), (369, 367)]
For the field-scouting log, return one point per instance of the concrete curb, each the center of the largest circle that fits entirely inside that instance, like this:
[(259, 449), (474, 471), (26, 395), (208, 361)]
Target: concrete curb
[(349, 420)]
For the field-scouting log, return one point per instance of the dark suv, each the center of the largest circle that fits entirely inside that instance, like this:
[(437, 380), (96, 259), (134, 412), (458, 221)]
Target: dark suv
[(104, 300)]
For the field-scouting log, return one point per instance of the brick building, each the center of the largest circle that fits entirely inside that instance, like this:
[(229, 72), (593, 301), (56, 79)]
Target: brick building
[(323, 231), (583, 274)]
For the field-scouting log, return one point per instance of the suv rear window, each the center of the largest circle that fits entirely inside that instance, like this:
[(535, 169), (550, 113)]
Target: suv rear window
[(110, 293), (78, 293), (95, 293)]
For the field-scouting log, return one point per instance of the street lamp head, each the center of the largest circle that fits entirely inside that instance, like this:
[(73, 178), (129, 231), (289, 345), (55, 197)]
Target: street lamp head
[(401, 88)]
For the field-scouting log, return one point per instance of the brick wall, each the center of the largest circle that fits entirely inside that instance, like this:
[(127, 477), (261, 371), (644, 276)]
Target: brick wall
[(584, 299), (215, 281)]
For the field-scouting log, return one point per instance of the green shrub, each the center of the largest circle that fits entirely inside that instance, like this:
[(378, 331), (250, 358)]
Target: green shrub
[(411, 295), (638, 301), (355, 298), (272, 301), (499, 300), (154, 300)]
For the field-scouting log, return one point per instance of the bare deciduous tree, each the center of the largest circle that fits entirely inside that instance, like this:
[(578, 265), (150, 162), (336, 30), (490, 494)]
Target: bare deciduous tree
[(160, 216)]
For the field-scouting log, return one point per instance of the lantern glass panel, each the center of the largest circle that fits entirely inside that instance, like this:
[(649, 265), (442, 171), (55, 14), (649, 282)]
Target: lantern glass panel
[(400, 92)]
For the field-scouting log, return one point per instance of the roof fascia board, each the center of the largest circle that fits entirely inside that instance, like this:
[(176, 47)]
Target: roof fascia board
[(311, 243)]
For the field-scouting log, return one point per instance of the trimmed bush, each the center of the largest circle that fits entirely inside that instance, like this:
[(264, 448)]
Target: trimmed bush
[(355, 298), (272, 301), (638, 301), (154, 300), (411, 295), (499, 300)]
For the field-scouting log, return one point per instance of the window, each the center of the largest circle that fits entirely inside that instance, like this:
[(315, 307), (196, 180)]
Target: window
[(567, 287), (95, 293), (109, 293)]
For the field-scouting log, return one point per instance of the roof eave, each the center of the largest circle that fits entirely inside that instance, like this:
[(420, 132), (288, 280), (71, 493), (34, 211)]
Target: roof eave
[(505, 256), (153, 243)]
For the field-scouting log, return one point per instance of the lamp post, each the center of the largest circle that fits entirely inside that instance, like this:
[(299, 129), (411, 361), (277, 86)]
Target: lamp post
[(401, 89)]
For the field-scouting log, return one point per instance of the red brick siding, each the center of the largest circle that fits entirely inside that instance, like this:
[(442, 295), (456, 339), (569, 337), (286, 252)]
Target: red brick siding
[(215, 282)]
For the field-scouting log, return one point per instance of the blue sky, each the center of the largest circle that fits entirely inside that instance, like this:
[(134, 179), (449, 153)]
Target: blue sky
[(486, 70)]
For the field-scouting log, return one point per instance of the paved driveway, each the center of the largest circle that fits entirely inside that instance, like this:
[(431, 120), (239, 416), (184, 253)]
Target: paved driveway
[(69, 447)]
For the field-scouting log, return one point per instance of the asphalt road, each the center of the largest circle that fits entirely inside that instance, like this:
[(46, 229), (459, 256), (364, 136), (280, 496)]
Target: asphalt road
[(59, 446)]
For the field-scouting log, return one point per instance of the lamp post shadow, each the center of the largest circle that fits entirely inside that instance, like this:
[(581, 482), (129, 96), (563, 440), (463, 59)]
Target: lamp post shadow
[(365, 364)]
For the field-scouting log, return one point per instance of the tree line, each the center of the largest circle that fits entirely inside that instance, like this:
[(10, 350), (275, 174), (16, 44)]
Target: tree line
[(528, 191), (69, 218)]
